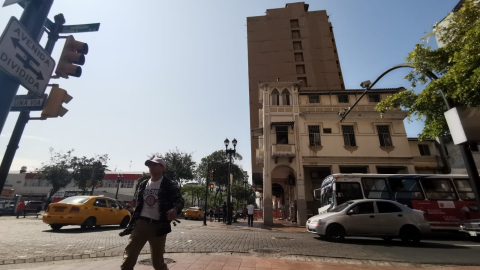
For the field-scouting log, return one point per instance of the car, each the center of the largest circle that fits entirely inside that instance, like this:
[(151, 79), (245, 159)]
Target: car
[(86, 212), (7, 208), (370, 217), (194, 212)]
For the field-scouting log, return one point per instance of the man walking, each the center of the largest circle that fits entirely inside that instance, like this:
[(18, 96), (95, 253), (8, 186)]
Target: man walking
[(251, 210), (20, 209), (224, 212), (159, 201)]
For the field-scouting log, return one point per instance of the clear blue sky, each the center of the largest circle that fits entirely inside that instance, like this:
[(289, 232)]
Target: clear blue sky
[(166, 74)]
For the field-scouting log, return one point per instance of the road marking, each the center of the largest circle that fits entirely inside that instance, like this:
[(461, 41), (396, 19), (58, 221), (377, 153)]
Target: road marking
[(467, 245)]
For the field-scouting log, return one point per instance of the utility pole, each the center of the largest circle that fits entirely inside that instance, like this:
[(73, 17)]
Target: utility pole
[(206, 195), (94, 173), (24, 116)]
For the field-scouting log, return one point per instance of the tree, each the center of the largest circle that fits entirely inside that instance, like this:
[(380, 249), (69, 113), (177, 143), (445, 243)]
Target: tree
[(57, 171), (83, 168), (180, 166), (457, 64)]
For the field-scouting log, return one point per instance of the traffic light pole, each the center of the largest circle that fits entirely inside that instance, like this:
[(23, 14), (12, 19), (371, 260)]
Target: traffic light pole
[(33, 18), (206, 196)]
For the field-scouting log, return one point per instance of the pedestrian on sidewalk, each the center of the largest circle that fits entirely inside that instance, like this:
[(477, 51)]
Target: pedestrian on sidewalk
[(20, 209), (224, 213), (251, 210), (244, 214), (211, 214), (159, 201)]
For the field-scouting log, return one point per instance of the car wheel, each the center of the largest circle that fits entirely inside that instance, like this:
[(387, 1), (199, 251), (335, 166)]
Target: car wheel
[(56, 227), (89, 223), (125, 222), (335, 232), (186, 218), (387, 238), (410, 235)]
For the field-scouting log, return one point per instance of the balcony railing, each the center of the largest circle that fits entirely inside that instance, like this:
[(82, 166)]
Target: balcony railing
[(259, 156), (283, 150)]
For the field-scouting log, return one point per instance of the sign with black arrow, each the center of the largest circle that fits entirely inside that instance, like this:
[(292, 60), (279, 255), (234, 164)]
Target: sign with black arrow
[(24, 59)]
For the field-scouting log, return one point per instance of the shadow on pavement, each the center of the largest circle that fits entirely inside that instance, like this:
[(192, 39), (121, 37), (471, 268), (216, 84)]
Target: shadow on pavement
[(76, 230), (394, 243)]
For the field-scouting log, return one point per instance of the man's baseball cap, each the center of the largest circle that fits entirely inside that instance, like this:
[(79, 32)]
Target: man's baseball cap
[(155, 160)]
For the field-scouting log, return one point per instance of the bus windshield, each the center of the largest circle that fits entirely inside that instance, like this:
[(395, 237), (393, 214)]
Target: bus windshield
[(326, 196)]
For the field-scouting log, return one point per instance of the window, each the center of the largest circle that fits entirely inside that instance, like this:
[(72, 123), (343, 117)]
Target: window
[(113, 205), (405, 189), (297, 45), (349, 136), (384, 135), (375, 188), (314, 98), (363, 208), (387, 207), (109, 183), (294, 24), (326, 196), (100, 203), (285, 97), (474, 147), (327, 130), (438, 189), (282, 134), (304, 81), (75, 199), (374, 98), (314, 135), (300, 69), (275, 97), (424, 150), (298, 57), (348, 191), (464, 189), (342, 99), (127, 183), (295, 34)]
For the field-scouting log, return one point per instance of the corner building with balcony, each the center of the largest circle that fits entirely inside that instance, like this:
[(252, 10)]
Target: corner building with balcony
[(296, 92)]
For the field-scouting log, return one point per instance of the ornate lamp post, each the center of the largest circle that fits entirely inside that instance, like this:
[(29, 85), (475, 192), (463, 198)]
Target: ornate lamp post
[(119, 180), (230, 152)]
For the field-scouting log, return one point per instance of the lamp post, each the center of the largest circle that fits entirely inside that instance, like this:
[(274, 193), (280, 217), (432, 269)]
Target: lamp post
[(464, 149), (245, 192), (230, 152), (119, 180)]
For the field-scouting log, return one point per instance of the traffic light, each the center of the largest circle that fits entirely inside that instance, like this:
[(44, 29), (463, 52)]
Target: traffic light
[(73, 54), (53, 106), (89, 183), (211, 187)]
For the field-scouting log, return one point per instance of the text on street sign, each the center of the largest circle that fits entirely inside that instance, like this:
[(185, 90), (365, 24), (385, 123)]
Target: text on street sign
[(79, 28)]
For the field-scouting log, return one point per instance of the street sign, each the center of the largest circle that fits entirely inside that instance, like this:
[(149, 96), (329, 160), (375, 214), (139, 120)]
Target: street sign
[(11, 2), (28, 103), (79, 28), (24, 59)]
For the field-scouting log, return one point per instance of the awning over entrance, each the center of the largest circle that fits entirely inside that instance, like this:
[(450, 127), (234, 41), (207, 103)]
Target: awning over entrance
[(283, 123)]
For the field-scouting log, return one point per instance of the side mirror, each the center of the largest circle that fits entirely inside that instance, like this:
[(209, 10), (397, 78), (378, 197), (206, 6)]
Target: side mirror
[(350, 212)]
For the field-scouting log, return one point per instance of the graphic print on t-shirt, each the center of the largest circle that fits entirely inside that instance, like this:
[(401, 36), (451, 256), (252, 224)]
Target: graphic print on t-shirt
[(151, 201)]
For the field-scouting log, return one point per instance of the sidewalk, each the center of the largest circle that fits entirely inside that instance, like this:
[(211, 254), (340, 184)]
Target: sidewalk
[(217, 262), (279, 225)]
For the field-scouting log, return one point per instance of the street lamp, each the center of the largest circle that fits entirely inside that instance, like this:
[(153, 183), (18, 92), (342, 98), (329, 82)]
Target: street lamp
[(119, 180), (230, 152)]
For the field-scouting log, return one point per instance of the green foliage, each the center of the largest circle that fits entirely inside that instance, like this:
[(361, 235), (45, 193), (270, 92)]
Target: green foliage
[(194, 194), (180, 166), (57, 171), (457, 64), (219, 161), (84, 167)]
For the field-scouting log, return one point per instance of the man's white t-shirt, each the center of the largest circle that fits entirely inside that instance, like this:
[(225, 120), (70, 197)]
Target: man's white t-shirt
[(251, 209), (151, 207)]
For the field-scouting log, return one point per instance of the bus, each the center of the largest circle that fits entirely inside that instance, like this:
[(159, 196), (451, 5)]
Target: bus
[(448, 201)]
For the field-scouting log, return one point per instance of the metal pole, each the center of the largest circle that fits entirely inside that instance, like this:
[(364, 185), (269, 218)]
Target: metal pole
[(118, 187), (245, 192), (206, 195), (28, 15), (229, 210), (93, 179), (33, 18)]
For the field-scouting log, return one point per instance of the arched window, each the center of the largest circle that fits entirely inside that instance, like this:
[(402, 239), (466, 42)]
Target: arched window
[(285, 97), (275, 97)]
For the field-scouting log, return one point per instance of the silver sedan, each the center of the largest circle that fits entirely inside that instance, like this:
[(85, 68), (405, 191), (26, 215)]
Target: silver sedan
[(378, 218)]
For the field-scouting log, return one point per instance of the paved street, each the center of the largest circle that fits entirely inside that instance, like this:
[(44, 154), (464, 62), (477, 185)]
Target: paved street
[(28, 239)]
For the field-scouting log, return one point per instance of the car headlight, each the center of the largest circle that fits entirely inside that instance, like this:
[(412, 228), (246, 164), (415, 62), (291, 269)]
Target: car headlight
[(315, 222)]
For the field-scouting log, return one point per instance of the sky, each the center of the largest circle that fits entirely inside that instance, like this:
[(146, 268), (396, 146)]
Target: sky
[(161, 75)]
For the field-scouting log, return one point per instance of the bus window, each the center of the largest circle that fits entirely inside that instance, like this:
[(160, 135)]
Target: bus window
[(326, 196), (438, 189), (464, 189), (347, 192), (408, 189), (375, 188)]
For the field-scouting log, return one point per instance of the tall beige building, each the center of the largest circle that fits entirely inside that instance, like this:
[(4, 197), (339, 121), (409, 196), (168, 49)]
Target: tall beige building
[(290, 44)]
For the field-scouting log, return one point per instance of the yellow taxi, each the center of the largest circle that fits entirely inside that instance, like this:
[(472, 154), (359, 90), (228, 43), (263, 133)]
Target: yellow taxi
[(87, 212), (194, 212)]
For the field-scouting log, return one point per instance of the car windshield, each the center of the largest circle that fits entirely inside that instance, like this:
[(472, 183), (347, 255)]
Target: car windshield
[(341, 207), (192, 208), (75, 199)]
